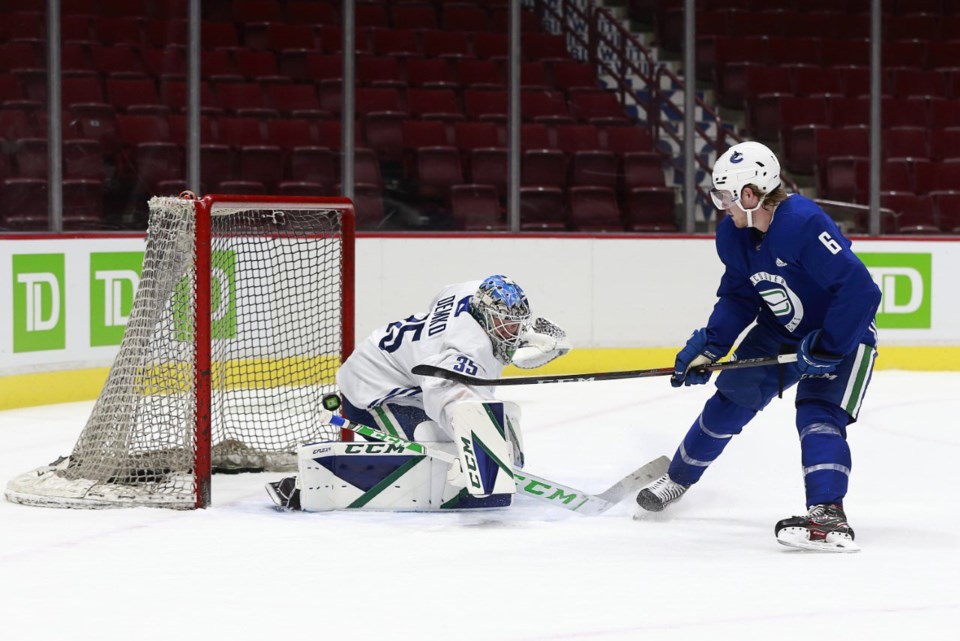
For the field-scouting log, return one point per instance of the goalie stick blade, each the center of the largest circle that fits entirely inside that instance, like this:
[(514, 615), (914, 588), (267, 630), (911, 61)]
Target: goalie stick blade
[(439, 372)]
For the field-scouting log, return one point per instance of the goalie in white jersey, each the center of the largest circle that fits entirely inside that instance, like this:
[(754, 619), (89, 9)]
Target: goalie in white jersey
[(476, 327)]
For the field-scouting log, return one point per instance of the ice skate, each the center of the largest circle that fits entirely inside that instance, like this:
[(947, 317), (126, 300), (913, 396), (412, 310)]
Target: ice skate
[(285, 493), (660, 494), (824, 528)]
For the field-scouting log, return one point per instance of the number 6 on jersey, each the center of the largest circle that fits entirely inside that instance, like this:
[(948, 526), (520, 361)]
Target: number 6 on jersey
[(830, 243)]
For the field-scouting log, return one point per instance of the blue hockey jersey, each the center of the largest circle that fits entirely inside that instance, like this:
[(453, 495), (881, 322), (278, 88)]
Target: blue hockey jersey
[(799, 276)]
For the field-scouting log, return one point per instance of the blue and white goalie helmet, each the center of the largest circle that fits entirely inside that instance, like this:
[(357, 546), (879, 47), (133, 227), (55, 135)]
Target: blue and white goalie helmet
[(502, 309)]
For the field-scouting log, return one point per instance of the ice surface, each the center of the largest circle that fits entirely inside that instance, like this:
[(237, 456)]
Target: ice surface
[(707, 568)]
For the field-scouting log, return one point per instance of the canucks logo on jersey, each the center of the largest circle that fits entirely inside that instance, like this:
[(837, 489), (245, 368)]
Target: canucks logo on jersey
[(780, 299)]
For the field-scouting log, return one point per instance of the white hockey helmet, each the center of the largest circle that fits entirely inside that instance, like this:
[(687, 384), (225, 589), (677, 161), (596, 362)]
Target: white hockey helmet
[(746, 163)]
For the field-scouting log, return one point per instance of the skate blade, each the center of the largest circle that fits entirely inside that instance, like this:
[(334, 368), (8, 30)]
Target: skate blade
[(275, 497), (640, 514), (798, 538), (272, 492), (649, 508)]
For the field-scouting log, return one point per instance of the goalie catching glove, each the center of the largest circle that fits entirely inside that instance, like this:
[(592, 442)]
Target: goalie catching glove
[(540, 344)]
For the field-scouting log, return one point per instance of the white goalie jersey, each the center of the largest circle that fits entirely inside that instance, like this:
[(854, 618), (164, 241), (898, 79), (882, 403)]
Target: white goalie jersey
[(447, 336), (475, 328)]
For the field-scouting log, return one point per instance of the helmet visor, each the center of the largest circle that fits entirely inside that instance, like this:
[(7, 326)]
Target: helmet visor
[(722, 198)]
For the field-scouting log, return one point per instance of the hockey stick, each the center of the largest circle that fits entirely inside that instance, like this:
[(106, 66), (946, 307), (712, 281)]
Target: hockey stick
[(432, 370), (529, 484), (591, 504)]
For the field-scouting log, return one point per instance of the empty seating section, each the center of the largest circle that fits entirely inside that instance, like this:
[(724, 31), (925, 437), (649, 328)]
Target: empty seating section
[(800, 72), (431, 107)]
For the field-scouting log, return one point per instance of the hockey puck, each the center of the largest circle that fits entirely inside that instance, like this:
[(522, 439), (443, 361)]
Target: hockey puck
[(331, 402)]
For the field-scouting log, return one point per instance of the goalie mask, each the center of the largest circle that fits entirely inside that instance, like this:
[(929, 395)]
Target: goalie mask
[(747, 163), (501, 308)]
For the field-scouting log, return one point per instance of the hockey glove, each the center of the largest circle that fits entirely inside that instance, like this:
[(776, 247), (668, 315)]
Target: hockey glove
[(540, 344), (695, 354), (811, 364)]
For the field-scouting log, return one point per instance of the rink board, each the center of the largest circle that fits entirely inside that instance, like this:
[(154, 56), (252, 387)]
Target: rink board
[(627, 302)]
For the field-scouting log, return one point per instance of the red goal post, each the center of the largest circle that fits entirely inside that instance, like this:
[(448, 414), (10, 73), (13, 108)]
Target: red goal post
[(243, 315)]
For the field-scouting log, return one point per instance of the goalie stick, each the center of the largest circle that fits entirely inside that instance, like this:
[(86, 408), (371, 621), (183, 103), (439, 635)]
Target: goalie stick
[(528, 484), (432, 370)]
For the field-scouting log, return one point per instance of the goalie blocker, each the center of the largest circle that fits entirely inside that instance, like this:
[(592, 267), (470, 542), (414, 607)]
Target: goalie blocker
[(384, 476)]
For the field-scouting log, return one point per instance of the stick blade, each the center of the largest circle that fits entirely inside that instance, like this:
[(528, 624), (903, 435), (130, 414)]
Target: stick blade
[(637, 479)]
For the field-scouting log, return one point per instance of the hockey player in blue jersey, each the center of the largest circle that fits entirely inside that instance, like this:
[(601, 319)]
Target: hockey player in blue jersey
[(789, 268)]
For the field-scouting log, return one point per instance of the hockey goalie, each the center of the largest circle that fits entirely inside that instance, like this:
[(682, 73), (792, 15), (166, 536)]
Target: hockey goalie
[(476, 327)]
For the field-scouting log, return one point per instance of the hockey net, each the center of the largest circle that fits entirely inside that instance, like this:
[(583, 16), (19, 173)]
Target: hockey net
[(243, 314)]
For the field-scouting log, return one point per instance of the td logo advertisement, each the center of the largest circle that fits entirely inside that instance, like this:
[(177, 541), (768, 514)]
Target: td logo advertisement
[(39, 308), (114, 278), (906, 282)]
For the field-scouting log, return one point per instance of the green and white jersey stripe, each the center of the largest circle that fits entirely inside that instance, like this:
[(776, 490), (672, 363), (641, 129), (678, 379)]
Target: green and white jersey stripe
[(857, 383)]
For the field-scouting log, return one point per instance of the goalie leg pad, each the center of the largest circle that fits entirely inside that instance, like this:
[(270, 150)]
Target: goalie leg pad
[(380, 476), (511, 413), (481, 435)]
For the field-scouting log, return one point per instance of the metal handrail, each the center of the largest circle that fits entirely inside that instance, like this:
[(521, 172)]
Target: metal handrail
[(599, 25), (884, 211), (562, 10)]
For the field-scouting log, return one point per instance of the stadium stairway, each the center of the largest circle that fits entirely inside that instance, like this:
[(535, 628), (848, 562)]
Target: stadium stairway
[(671, 115)]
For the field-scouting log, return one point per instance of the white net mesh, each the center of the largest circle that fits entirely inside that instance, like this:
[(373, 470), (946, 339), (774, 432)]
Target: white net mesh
[(276, 316)]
